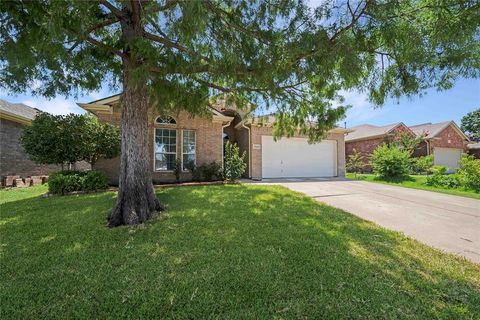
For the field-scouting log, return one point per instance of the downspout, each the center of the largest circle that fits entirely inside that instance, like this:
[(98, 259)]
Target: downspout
[(249, 150), (221, 137)]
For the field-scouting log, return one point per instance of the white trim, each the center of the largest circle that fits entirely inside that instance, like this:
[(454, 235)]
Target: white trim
[(164, 124)]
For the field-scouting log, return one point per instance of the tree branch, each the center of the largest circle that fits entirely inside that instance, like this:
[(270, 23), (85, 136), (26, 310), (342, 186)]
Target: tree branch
[(114, 10)]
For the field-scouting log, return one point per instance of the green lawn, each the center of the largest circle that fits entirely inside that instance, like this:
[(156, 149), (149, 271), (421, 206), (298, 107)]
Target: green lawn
[(415, 182), (234, 251)]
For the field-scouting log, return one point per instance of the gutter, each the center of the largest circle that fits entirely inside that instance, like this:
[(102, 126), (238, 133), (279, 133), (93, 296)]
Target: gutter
[(15, 118), (249, 149)]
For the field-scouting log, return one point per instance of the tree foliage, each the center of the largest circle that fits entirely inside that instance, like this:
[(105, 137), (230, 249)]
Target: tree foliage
[(53, 139), (471, 125), (408, 141), (283, 54)]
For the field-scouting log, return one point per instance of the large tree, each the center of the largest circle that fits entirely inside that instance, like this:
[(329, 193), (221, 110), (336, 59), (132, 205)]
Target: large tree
[(176, 54), (471, 125)]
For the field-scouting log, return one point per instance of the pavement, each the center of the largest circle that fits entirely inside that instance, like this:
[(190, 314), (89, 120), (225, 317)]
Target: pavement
[(446, 222)]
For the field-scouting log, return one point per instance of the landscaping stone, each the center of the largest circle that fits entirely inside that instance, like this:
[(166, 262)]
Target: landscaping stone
[(19, 183), (36, 180), (9, 181)]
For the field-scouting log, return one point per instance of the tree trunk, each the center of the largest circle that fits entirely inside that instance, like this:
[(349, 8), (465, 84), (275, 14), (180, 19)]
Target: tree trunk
[(136, 200)]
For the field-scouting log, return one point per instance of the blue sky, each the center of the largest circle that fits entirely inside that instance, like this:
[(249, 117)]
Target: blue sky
[(434, 106)]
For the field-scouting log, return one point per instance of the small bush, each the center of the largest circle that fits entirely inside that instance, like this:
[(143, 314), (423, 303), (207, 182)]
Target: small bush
[(450, 181), (63, 182), (422, 164), (94, 180), (206, 172), (469, 171), (439, 169), (234, 164), (390, 161), (355, 162), (177, 170)]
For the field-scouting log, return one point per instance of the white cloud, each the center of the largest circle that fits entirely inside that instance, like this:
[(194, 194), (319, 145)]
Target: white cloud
[(54, 106), (362, 110)]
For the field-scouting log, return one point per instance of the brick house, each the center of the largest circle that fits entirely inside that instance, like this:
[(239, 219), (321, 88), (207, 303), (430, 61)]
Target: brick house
[(13, 159), (201, 139), (444, 140), (366, 138)]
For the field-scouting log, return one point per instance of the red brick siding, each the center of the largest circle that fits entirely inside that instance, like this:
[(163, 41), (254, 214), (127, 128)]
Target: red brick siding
[(209, 143), (448, 138)]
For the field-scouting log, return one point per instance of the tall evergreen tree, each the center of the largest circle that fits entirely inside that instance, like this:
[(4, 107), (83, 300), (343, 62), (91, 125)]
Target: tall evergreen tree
[(176, 54)]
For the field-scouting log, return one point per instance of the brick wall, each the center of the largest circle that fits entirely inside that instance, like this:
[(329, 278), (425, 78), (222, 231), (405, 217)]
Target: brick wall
[(367, 146), (13, 159), (209, 144), (448, 138), (258, 132)]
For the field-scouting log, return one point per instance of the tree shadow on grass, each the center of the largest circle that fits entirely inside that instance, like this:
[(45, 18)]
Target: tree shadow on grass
[(223, 251)]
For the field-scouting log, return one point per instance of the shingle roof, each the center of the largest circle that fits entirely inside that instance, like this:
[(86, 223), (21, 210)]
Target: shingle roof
[(430, 129), (366, 131), (18, 109), (474, 145)]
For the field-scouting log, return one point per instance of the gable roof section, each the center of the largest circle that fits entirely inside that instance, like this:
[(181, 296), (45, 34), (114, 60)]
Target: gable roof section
[(105, 105), (367, 131), (17, 112), (433, 129)]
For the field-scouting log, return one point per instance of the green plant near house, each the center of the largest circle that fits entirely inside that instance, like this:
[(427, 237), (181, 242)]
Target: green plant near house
[(389, 160), (53, 139), (422, 165), (206, 172), (408, 141), (234, 163), (469, 171), (67, 181), (355, 162), (177, 170)]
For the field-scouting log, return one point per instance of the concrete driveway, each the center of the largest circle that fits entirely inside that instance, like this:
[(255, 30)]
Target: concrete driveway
[(446, 222)]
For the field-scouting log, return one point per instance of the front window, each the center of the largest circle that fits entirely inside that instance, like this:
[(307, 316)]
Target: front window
[(165, 149), (188, 151)]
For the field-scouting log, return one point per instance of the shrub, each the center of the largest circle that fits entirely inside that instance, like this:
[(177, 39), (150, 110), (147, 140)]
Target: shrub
[(451, 181), (422, 164), (390, 161), (206, 172), (469, 171), (63, 182), (355, 162), (94, 180), (439, 169), (234, 163), (177, 170)]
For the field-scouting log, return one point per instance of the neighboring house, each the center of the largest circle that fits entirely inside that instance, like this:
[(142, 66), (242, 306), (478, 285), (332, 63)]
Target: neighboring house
[(474, 149), (13, 159), (366, 138), (445, 141), (201, 140)]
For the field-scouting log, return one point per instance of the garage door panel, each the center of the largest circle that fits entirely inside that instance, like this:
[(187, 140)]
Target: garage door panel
[(294, 157), (447, 157)]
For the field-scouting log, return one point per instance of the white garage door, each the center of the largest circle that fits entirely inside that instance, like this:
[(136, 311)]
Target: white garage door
[(447, 157), (295, 158)]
